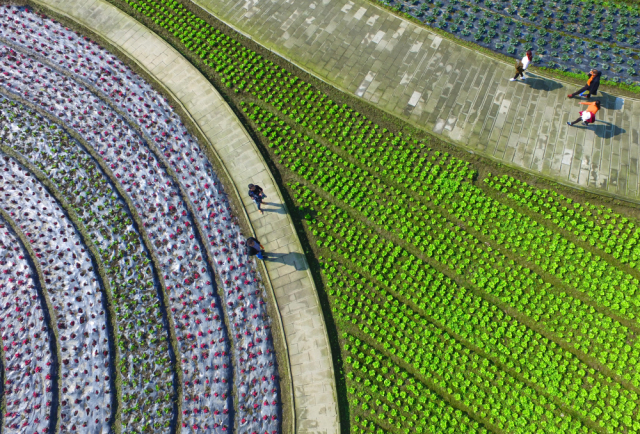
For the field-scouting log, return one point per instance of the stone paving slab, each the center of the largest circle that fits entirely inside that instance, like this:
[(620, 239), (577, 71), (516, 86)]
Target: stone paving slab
[(448, 89), (314, 390)]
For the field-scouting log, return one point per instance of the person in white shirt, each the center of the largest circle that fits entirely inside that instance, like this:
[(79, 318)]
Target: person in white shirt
[(522, 65)]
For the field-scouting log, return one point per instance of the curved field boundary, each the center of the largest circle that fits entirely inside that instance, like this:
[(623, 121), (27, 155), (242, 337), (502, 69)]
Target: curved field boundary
[(75, 287), (312, 395), (443, 87), (54, 169), (29, 352)]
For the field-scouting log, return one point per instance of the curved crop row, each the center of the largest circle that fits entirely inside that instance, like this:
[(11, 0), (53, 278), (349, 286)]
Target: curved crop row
[(137, 98), (29, 353), (600, 227), (145, 362), (206, 388), (143, 109), (371, 373), (76, 295)]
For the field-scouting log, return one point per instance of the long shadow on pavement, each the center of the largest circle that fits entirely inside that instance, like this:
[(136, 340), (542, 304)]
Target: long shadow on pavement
[(605, 130), (295, 259), (540, 83), (278, 207), (609, 102)]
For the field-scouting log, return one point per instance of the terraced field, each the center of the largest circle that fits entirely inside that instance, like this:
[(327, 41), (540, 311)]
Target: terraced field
[(149, 313)]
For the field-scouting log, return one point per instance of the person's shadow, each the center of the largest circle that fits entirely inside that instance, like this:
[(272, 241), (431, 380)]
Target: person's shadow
[(540, 83), (603, 129), (294, 259), (278, 208), (607, 101)]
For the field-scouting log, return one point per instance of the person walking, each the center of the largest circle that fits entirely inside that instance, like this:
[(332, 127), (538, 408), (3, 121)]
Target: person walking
[(254, 248), (593, 82), (257, 194), (522, 66), (587, 116)]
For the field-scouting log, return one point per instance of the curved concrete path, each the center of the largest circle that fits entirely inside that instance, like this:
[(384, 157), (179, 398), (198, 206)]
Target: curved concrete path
[(448, 89), (314, 391)]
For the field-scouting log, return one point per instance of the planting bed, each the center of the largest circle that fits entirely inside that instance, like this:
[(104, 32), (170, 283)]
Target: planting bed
[(566, 35), (464, 300), (143, 340), (29, 356), (76, 297), (141, 189)]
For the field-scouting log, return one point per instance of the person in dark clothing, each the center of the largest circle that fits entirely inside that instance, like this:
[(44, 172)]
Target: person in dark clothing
[(254, 248), (257, 194), (593, 82)]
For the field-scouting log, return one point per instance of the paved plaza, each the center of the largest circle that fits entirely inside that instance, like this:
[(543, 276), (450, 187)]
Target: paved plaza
[(447, 89)]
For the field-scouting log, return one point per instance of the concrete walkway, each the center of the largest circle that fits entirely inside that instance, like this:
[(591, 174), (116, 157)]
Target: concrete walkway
[(314, 390), (447, 89)]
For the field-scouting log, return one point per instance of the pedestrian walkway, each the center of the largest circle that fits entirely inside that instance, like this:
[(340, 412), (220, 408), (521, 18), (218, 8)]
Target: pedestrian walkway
[(309, 356), (447, 89)]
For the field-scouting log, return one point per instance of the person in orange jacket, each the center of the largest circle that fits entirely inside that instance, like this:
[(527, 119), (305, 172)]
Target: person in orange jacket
[(587, 116), (593, 82)]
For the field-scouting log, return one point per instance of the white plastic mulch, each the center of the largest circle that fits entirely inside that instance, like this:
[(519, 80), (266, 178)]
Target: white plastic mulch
[(76, 296), (160, 202), (29, 367)]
